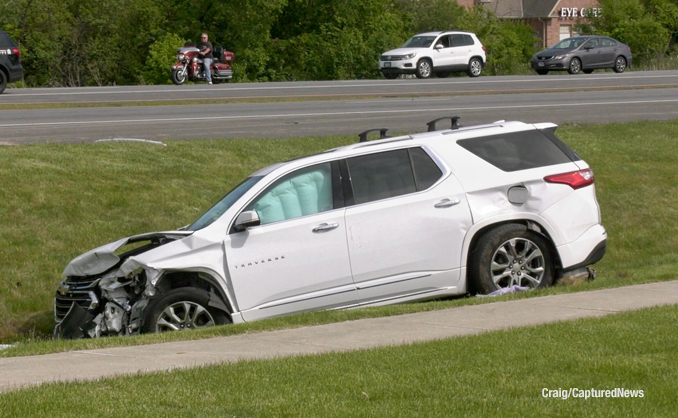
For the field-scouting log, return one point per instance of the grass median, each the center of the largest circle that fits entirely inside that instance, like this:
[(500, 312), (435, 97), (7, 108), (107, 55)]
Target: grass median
[(504, 373), (61, 200)]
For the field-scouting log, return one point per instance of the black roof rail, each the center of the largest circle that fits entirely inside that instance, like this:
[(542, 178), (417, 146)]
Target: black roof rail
[(453, 119), (382, 134)]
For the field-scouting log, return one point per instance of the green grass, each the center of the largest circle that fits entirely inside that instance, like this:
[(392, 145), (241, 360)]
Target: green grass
[(494, 374), (61, 200)]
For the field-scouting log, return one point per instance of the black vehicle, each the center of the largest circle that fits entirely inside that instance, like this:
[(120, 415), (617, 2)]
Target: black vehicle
[(583, 54), (10, 61)]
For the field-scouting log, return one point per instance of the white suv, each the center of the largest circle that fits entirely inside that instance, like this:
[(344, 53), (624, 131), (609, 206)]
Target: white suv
[(435, 52), (378, 222)]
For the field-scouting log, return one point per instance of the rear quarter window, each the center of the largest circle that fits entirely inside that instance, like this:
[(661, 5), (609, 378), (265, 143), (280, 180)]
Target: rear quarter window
[(6, 41), (516, 151)]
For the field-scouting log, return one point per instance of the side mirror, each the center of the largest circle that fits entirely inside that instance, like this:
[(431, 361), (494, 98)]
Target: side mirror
[(439, 46), (246, 219)]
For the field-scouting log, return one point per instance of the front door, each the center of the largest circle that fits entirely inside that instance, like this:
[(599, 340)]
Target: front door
[(297, 259), (591, 54)]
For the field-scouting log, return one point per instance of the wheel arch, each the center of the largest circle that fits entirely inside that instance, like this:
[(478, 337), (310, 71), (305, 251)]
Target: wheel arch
[(482, 61), (539, 226), (6, 71), (176, 279)]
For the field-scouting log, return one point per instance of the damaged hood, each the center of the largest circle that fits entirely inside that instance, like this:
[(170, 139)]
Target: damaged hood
[(101, 259)]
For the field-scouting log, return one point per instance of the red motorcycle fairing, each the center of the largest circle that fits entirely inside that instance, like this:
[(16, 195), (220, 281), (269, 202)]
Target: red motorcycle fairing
[(189, 66)]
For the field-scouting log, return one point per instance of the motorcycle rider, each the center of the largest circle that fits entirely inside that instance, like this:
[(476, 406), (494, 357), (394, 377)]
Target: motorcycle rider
[(205, 53)]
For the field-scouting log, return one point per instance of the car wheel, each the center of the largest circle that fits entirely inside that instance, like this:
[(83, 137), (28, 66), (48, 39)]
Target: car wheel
[(510, 255), (589, 71), (442, 75), (3, 81), (424, 69), (620, 64), (575, 66), (391, 76), (475, 67), (181, 309), (542, 72)]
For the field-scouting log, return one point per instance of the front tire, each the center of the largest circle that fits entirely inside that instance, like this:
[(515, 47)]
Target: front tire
[(424, 69), (575, 66), (178, 77), (181, 309), (589, 71), (475, 67), (620, 64), (442, 75), (510, 255)]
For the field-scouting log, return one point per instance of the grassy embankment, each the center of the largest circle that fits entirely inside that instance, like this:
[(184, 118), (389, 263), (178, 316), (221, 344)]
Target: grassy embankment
[(496, 374), (61, 200)]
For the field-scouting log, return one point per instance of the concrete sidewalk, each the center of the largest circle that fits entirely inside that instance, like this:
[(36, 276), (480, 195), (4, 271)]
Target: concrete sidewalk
[(19, 372)]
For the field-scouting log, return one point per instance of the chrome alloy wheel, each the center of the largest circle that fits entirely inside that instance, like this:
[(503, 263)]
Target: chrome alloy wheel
[(183, 315), (476, 68), (517, 261), (620, 65), (424, 68)]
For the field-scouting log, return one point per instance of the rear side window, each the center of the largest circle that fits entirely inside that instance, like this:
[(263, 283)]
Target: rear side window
[(426, 172), (516, 151), (380, 176), (468, 40), (6, 41)]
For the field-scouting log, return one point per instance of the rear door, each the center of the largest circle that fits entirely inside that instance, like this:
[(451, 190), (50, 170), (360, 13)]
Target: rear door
[(461, 50), (608, 51), (407, 225)]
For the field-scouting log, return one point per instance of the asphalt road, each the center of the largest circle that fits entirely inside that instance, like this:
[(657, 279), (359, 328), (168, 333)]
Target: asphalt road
[(313, 108)]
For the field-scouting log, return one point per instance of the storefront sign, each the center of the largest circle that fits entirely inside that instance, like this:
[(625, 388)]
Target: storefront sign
[(583, 12)]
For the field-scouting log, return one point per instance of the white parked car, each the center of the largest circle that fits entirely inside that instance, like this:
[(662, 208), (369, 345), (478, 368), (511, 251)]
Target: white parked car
[(435, 52), (378, 222)]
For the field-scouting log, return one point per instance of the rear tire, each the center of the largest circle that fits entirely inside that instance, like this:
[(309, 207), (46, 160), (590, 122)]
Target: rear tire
[(589, 71), (575, 66), (442, 75), (181, 309), (620, 64), (391, 76), (475, 67), (510, 255), (3, 81), (178, 77), (424, 69)]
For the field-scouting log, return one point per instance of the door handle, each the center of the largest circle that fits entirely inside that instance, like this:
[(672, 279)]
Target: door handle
[(325, 227), (447, 203)]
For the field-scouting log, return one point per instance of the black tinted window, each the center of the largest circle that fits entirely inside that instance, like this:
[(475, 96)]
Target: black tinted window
[(426, 172), (380, 176), (468, 40), (457, 40), (6, 41), (516, 151)]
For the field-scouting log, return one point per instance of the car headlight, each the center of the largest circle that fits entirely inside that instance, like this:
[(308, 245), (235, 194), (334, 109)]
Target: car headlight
[(560, 57), (409, 56)]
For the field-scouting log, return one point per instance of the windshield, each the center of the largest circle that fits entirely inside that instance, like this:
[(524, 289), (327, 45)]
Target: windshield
[(569, 43), (419, 42), (226, 202)]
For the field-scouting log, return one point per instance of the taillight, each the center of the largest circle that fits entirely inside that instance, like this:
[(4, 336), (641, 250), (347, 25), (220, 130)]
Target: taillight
[(485, 50), (574, 179), (17, 52)]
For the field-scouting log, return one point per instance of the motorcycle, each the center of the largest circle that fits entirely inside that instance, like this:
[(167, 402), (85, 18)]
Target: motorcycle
[(189, 65)]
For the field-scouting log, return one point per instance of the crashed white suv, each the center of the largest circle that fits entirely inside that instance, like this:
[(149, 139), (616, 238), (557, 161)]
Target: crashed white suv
[(437, 53), (378, 222)]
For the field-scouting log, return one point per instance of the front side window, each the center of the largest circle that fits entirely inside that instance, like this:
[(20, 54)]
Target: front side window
[(593, 43), (444, 41), (304, 192)]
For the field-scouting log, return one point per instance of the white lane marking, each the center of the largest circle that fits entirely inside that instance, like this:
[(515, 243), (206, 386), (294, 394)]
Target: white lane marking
[(294, 115), (550, 79)]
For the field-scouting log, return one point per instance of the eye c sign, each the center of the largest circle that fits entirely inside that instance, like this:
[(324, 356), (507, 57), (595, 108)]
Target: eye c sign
[(583, 12)]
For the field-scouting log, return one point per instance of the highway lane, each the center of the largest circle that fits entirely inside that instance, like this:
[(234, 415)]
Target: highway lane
[(341, 89), (333, 117)]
